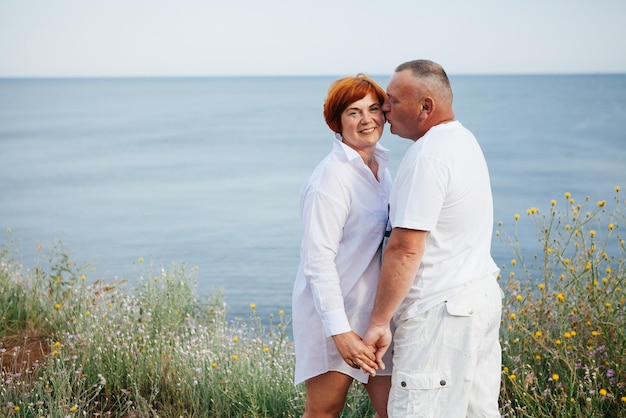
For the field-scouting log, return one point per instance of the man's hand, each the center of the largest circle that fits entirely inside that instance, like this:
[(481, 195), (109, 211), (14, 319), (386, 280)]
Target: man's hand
[(378, 339), (355, 353)]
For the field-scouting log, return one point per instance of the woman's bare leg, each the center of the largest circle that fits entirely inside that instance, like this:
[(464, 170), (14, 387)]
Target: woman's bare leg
[(326, 395), (378, 390)]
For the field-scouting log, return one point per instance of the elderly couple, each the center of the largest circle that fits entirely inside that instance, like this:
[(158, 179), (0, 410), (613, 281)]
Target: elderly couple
[(415, 317)]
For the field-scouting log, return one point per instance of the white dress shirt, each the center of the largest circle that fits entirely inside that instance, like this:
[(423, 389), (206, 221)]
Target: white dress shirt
[(343, 213)]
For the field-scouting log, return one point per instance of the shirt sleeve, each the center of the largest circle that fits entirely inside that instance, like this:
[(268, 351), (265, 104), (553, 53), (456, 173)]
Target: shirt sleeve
[(323, 218)]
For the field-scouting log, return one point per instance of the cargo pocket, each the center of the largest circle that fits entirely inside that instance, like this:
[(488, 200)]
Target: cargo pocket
[(420, 394), (464, 326)]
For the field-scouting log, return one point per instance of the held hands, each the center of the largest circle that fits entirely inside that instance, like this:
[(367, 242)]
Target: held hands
[(378, 340), (355, 353)]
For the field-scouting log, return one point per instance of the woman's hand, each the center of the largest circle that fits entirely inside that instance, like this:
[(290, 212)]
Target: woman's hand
[(355, 353)]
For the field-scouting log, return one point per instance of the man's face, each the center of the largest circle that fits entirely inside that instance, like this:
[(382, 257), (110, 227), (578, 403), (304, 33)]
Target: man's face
[(403, 105)]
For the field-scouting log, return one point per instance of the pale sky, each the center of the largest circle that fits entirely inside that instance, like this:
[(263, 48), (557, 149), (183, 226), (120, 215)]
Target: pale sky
[(87, 38)]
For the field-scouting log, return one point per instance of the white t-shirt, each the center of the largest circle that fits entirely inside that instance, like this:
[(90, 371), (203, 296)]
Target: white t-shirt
[(343, 213), (443, 187)]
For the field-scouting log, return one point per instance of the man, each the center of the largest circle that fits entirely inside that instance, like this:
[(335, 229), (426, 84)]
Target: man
[(438, 281)]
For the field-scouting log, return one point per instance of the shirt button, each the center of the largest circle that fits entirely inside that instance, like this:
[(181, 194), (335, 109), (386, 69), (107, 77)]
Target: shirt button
[(403, 384), (442, 382)]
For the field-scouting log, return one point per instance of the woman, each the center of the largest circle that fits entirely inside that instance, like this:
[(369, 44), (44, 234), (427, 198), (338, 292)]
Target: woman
[(343, 212)]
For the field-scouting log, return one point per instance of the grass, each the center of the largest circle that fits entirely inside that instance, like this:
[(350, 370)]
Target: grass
[(71, 346)]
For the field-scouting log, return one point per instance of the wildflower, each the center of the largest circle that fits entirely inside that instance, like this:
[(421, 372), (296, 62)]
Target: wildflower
[(512, 377), (617, 190), (557, 342), (573, 333), (74, 408), (155, 278), (516, 217), (518, 297), (16, 408), (235, 339), (568, 227), (57, 306), (555, 377), (601, 203), (608, 270), (57, 344), (568, 195), (505, 369), (537, 357), (538, 334), (608, 304), (594, 333), (592, 233), (8, 230), (252, 306), (87, 313), (567, 335), (623, 399), (82, 277), (602, 392), (560, 297), (235, 356), (512, 316), (140, 259), (588, 265), (266, 349), (513, 262), (611, 226), (549, 250), (55, 353), (281, 313), (542, 286), (566, 261), (214, 364), (553, 202)]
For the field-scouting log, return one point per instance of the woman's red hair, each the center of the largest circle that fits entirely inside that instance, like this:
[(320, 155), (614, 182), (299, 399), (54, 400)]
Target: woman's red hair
[(346, 91)]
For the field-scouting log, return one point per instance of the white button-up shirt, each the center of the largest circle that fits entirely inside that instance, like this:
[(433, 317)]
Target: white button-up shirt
[(343, 213)]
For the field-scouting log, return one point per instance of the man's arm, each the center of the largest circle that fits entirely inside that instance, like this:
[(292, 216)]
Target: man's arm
[(401, 261)]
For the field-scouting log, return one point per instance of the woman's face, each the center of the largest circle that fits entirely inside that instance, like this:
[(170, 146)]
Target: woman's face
[(362, 123)]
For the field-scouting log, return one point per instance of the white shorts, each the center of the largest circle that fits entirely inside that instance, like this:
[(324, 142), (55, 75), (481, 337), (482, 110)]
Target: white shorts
[(447, 361)]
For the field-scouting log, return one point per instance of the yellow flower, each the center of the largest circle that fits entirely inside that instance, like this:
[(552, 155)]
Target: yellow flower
[(568, 195), (141, 259), (567, 335), (518, 297), (611, 226), (588, 265), (538, 334), (513, 262), (87, 313), (235, 339), (235, 356), (512, 316), (266, 349), (592, 233), (55, 353), (512, 377), (505, 369), (568, 227), (83, 277), (560, 297), (595, 333), (74, 408), (623, 399), (555, 377), (601, 203), (252, 306), (566, 261), (214, 364), (537, 357), (57, 344), (516, 216), (57, 306), (617, 190), (602, 392), (557, 342), (155, 278), (553, 202), (281, 313), (16, 408), (542, 286), (573, 333), (608, 270)]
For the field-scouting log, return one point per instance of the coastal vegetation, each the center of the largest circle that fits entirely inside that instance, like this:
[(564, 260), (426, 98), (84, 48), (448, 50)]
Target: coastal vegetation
[(75, 346)]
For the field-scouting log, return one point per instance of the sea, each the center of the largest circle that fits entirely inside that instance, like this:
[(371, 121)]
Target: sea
[(135, 175)]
